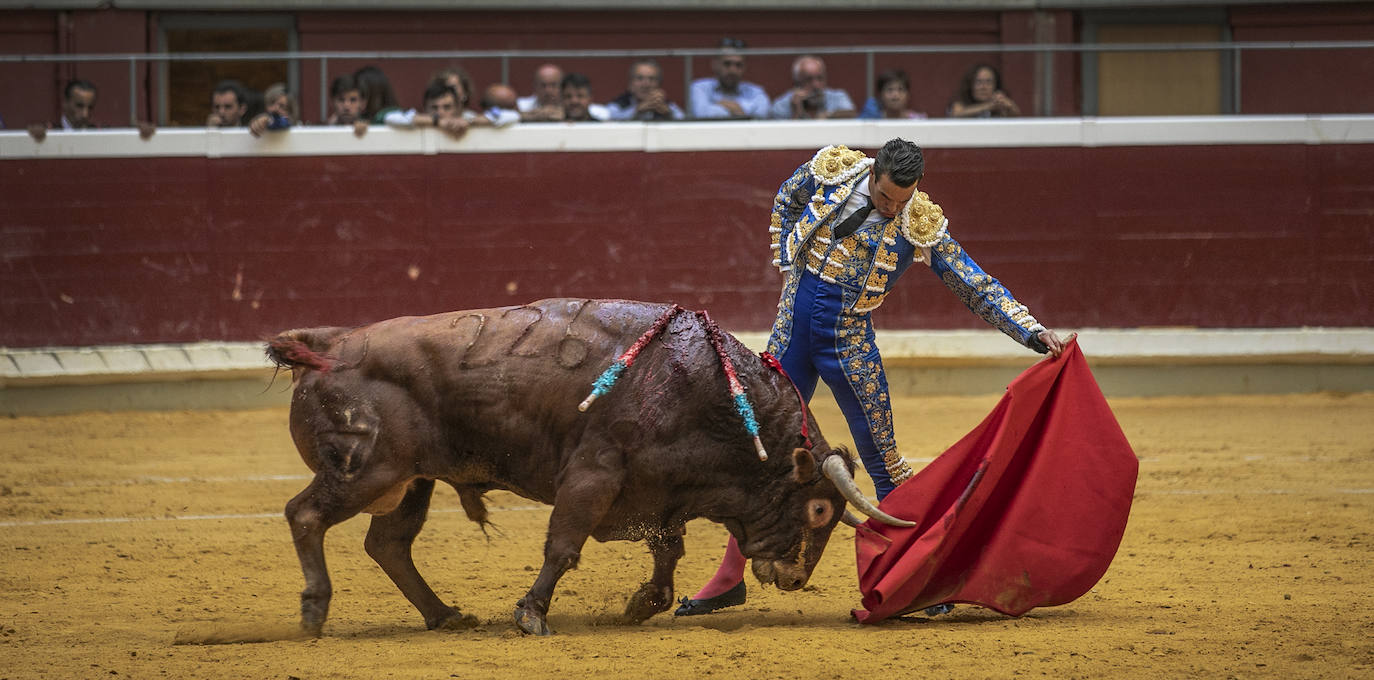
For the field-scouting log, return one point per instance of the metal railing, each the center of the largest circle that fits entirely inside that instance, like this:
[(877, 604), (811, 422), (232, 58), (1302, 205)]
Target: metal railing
[(1233, 49)]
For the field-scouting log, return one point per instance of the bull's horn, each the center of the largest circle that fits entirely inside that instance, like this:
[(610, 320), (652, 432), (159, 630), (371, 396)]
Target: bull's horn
[(850, 519), (835, 469)]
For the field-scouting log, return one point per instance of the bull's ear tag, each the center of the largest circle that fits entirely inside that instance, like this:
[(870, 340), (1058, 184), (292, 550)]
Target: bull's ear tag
[(803, 466)]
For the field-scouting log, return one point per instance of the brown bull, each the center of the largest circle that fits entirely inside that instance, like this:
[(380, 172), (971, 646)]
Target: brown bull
[(488, 399)]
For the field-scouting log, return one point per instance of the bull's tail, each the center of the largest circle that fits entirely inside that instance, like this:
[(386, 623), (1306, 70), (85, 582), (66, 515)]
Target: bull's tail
[(304, 348)]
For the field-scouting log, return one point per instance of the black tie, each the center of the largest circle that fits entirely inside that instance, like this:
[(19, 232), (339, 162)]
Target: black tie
[(851, 223)]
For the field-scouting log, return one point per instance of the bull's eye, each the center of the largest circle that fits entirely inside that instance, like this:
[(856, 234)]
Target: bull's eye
[(818, 512)]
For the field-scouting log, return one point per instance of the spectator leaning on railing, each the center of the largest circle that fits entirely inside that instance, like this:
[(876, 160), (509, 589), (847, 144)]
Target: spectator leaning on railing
[(228, 104), (441, 110), (980, 95), (78, 105), (347, 101), (499, 96), (645, 98), (378, 97), (576, 97), (728, 95), (809, 96), (894, 92), (279, 111), (546, 103)]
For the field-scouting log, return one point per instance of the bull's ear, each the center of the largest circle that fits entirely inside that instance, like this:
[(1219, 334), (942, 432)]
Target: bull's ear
[(803, 466)]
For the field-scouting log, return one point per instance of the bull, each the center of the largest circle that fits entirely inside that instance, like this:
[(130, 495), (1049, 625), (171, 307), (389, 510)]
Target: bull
[(488, 399)]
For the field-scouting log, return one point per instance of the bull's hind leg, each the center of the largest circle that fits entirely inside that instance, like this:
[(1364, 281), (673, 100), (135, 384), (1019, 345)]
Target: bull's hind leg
[(586, 493), (656, 595), (327, 501), (310, 514), (389, 541)]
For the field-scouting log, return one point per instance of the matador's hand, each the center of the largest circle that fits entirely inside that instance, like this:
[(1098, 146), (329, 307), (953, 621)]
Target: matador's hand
[(1053, 341)]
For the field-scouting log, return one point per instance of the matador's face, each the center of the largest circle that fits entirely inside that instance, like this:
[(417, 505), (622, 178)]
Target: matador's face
[(888, 198)]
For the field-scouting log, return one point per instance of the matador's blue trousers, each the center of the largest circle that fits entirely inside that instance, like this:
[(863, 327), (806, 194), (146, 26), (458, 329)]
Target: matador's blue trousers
[(820, 342)]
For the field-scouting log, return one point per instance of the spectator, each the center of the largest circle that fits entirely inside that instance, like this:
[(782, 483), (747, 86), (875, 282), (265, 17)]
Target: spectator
[(442, 109), (575, 93), (228, 104), (547, 101), (253, 101), (499, 96), (645, 99), (347, 101), (278, 114), (894, 91), (78, 103), (378, 97), (728, 95), (981, 95), (458, 79), (809, 96)]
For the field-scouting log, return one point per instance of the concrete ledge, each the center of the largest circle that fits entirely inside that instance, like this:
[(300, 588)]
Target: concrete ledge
[(1127, 362), (131, 363)]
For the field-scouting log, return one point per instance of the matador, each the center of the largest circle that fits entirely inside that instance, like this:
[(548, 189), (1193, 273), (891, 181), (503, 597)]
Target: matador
[(845, 227)]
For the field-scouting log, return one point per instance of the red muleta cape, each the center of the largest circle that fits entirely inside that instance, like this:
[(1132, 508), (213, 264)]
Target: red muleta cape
[(1025, 511)]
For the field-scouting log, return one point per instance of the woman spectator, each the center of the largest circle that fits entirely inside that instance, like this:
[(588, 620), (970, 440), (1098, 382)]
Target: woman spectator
[(894, 91), (981, 95), (378, 97)]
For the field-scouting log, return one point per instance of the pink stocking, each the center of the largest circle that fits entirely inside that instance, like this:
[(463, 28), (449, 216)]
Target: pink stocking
[(729, 575)]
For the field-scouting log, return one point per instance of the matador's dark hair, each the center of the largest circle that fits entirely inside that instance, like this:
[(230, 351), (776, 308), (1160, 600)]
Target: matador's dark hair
[(901, 161)]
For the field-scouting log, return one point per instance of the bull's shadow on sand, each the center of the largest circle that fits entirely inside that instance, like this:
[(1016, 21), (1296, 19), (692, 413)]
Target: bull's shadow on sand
[(569, 625)]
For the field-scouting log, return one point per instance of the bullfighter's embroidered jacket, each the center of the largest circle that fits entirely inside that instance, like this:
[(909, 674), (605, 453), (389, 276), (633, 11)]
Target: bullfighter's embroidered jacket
[(868, 262)]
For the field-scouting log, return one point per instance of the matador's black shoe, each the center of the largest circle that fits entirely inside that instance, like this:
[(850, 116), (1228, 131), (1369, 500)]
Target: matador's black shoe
[(729, 598)]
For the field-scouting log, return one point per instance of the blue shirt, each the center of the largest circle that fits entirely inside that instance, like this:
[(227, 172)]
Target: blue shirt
[(707, 95)]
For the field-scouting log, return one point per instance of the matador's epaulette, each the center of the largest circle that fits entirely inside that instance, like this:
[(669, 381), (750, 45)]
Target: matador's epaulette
[(838, 164), (923, 222)]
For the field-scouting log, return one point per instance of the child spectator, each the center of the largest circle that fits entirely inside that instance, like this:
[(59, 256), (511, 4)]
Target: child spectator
[(346, 99)]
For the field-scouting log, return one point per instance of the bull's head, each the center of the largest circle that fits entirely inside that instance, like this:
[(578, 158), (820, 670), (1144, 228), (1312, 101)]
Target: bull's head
[(810, 509)]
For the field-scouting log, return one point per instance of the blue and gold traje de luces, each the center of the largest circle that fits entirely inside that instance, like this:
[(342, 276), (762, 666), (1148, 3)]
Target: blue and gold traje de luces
[(823, 329)]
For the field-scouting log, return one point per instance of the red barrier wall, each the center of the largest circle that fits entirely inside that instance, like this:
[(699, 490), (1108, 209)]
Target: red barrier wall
[(145, 250)]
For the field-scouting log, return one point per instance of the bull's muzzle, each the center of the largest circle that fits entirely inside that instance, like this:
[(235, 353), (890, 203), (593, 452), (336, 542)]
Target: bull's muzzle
[(786, 575)]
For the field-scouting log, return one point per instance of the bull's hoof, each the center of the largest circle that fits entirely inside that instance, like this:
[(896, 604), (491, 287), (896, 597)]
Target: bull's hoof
[(531, 622), (647, 601), (454, 620), (312, 629)]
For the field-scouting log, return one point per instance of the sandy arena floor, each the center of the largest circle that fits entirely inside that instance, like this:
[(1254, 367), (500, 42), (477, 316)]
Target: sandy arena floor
[(1250, 553)]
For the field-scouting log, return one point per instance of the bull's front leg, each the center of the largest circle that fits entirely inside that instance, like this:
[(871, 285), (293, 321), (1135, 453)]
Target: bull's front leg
[(582, 500), (656, 595)]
